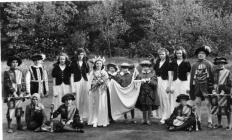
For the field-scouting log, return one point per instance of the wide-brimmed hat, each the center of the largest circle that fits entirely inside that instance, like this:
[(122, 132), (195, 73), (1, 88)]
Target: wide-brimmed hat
[(203, 48), (35, 95), (145, 63), (112, 65), (12, 58), (37, 57), (67, 97), (182, 97), (220, 60), (125, 65)]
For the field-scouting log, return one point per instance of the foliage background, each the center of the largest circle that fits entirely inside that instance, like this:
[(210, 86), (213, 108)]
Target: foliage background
[(132, 28)]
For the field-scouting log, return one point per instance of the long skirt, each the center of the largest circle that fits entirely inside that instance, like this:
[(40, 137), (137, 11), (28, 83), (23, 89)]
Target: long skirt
[(98, 108), (179, 87), (60, 91), (165, 109), (82, 98)]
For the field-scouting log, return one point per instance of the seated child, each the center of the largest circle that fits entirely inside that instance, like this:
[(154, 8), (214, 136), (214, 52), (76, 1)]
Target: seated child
[(221, 100), (182, 117), (35, 116), (70, 119)]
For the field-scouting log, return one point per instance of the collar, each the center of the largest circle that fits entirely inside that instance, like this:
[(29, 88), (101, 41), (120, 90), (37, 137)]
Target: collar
[(40, 66), (115, 73)]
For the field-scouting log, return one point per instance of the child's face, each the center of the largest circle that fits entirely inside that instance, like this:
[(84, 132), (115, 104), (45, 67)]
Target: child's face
[(124, 69), (145, 68), (99, 65), (162, 55), (81, 56), (183, 102), (68, 102), (179, 54), (201, 55), (111, 69), (34, 101), (221, 65), (62, 60), (14, 64), (38, 62)]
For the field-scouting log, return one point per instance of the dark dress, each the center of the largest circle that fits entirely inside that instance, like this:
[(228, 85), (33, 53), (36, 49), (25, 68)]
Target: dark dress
[(67, 115), (148, 99), (35, 116)]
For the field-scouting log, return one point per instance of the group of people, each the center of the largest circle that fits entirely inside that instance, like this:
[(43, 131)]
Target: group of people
[(85, 91)]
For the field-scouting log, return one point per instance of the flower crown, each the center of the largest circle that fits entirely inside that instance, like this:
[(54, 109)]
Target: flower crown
[(95, 59)]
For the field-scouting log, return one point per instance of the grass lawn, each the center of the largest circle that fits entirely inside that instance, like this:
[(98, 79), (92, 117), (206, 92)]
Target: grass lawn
[(118, 131)]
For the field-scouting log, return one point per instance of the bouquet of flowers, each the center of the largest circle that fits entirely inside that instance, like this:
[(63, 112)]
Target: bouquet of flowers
[(99, 81)]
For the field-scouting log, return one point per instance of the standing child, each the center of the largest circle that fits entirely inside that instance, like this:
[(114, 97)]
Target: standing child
[(124, 78), (201, 82), (98, 111), (112, 72), (37, 78), (162, 68), (148, 99), (70, 119), (221, 105), (79, 82), (180, 68), (13, 89), (61, 74)]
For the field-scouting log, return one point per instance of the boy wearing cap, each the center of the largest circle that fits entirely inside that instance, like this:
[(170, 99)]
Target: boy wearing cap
[(37, 78), (201, 82), (221, 100), (182, 117), (70, 119), (35, 116), (12, 87), (112, 70), (124, 78), (148, 99)]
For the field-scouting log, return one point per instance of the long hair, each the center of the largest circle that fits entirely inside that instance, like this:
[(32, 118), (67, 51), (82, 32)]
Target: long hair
[(184, 53), (67, 61), (95, 67)]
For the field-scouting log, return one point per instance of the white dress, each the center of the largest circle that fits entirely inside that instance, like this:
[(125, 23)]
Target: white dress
[(98, 107), (59, 91), (82, 96), (164, 111), (179, 87)]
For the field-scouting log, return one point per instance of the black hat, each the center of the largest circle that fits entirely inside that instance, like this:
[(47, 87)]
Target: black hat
[(145, 63), (182, 96), (68, 96), (220, 60), (9, 61), (203, 48), (112, 65), (80, 50), (37, 57)]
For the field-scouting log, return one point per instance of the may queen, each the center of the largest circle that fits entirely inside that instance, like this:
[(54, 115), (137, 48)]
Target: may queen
[(98, 107)]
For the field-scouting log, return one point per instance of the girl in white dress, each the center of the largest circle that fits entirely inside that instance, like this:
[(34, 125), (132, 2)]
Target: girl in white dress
[(98, 107), (79, 82), (61, 74), (180, 69), (163, 88)]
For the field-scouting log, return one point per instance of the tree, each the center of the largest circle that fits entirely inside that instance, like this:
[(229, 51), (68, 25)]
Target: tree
[(107, 19)]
